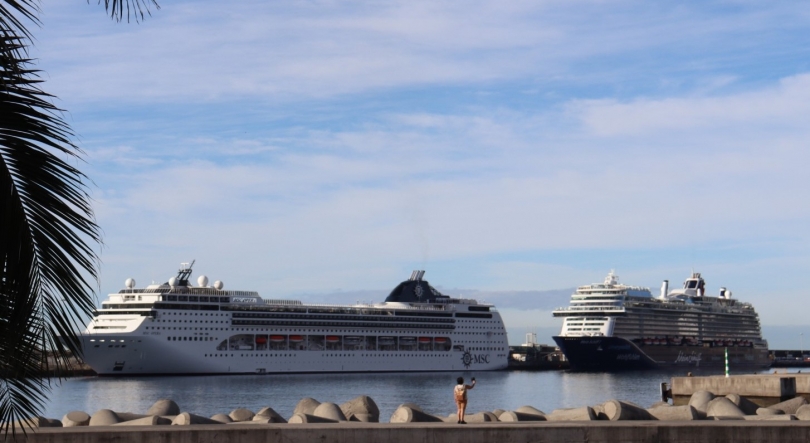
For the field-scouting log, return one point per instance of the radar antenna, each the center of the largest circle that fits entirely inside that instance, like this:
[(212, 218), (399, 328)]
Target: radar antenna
[(184, 273)]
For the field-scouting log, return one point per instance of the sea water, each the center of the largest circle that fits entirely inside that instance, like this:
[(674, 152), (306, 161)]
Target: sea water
[(209, 395)]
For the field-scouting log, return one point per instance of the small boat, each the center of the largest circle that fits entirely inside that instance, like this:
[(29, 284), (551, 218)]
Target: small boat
[(440, 340), (296, 338), (332, 338), (424, 339), (277, 338), (387, 340), (261, 340), (407, 340), (354, 339)]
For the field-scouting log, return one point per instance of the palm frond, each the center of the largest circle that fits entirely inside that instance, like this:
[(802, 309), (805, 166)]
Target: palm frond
[(135, 8), (46, 237)]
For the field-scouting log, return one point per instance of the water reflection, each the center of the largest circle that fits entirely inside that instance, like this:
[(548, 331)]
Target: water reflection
[(208, 395)]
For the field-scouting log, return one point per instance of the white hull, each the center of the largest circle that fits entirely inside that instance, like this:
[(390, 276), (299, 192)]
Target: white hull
[(179, 329)]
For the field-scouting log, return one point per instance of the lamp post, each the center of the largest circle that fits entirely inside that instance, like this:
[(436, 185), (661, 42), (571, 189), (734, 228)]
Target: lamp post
[(801, 341)]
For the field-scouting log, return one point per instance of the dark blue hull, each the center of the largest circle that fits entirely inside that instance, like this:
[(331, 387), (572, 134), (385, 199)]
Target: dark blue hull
[(619, 354)]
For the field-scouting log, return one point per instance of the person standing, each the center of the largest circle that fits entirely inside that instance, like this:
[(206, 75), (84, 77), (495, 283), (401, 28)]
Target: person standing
[(460, 394)]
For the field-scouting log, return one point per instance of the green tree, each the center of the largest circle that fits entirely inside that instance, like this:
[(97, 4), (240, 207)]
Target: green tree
[(48, 266)]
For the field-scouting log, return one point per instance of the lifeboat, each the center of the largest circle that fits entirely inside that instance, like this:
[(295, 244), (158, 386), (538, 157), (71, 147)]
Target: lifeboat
[(296, 338), (261, 340), (440, 340), (386, 340), (424, 339), (407, 340), (647, 341), (276, 338), (332, 338)]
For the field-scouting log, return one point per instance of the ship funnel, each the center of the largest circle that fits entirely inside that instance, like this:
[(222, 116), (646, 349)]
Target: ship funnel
[(421, 274), (664, 289), (413, 275)]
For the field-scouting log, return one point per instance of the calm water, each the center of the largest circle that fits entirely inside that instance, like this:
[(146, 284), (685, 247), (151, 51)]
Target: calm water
[(209, 395)]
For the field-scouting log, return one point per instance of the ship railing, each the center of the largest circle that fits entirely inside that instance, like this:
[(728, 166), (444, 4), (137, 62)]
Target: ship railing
[(590, 309)]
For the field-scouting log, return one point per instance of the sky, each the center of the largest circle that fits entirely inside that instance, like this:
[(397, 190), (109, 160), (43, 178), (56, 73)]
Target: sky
[(317, 149)]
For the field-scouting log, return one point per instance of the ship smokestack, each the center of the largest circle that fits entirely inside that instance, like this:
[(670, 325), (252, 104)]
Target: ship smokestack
[(413, 275), (664, 289), (421, 274)]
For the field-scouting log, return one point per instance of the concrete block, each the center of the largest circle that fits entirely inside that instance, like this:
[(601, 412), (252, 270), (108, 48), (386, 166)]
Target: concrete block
[(163, 406), (269, 414), (406, 414), (770, 411), (514, 416), (241, 414), (361, 405), (803, 413), (413, 406), (673, 413), (307, 405), (745, 405), (104, 417), (723, 407), (128, 416), (573, 414), (620, 410), (299, 418), (37, 422), (498, 412), (149, 420), (700, 401), (76, 418), (530, 410), (329, 411), (790, 406), (185, 418), (222, 418)]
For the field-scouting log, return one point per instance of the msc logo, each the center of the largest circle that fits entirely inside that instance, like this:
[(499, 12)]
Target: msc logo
[(469, 359)]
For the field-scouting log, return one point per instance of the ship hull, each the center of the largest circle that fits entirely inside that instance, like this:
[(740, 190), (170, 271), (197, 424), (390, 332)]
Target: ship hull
[(619, 354)]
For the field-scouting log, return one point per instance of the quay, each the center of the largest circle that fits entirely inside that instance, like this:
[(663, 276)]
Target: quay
[(353, 432)]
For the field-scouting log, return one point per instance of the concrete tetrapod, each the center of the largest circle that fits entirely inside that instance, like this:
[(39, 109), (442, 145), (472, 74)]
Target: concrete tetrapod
[(270, 414), (361, 408), (674, 413), (407, 414), (307, 405), (222, 418), (526, 409), (498, 412), (620, 410), (190, 419), (37, 422), (164, 406), (700, 401), (723, 407), (790, 406), (770, 411), (329, 411), (149, 420), (299, 417), (747, 406), (513, 416), (803, 413), (241, 414), (574, 414), (104, 417), (76, 418)]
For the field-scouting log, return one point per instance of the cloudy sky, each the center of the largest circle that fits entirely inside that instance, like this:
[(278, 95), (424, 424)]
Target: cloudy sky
[(306, 148)]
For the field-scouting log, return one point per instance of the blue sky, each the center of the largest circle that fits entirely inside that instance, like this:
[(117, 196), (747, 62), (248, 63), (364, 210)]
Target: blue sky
[(317, 147)]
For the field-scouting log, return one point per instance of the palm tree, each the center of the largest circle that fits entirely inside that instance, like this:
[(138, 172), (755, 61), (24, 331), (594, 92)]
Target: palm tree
[(48, 267)]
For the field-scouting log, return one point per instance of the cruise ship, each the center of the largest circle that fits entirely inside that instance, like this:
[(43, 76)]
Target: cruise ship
[(178, 328), (611, 327)]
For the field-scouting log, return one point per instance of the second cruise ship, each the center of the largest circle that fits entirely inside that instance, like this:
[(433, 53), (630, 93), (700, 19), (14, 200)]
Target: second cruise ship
[(611, 326)]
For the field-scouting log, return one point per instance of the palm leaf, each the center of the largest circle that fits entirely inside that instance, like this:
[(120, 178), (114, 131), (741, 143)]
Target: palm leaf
[(135, 7), (46, 258)]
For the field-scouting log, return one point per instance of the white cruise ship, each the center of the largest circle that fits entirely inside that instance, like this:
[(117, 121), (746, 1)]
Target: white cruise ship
[(611, 326), (177, 328)]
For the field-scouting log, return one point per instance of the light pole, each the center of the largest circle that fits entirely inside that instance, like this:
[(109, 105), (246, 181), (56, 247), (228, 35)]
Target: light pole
[(801, 341)]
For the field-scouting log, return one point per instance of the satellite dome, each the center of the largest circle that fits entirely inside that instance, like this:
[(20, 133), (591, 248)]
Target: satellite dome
[(130, 283), (218, 285), (173, 281), (202, 281)]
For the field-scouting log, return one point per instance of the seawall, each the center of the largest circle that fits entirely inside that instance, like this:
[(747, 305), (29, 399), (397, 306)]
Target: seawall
[(591, 432)]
